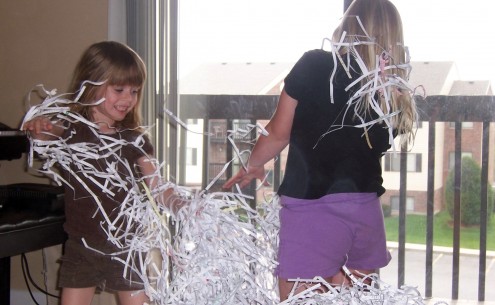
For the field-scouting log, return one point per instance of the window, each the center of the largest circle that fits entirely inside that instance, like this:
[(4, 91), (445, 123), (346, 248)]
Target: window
[(192, 156), (219, 33), (394, 203), (392, 162), (452, 158), (465, 125)]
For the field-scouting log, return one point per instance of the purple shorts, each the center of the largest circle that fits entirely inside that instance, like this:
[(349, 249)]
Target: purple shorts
[(319, 236)]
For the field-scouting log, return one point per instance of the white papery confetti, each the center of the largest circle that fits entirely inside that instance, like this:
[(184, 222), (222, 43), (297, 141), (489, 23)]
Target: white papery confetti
[(146, 239), (366, 290), (224, 252), (221, 252), (378, 87)]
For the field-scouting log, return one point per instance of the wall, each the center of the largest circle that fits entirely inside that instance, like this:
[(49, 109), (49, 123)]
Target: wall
[(40, 43)]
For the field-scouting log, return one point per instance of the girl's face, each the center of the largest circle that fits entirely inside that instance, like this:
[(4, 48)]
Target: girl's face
[(119, 101)]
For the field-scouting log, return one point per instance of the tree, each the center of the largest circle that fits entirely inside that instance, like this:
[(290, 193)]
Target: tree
[(470, 193)]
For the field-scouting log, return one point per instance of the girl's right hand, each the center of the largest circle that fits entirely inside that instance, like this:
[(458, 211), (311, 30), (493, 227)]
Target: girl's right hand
[(244, 177), (38, 125)]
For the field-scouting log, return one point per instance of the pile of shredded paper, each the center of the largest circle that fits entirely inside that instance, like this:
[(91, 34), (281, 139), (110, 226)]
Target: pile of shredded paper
[(215, 250)]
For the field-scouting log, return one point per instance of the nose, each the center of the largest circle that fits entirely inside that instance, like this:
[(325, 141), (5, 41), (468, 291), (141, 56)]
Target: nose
[(127, 95)]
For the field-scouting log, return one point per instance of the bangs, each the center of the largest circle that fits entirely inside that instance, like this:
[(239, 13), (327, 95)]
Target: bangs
[(127, 75)]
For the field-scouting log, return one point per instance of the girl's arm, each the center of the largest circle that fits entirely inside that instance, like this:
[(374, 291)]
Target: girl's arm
[(167, 198), (40, 126), (267, 147)]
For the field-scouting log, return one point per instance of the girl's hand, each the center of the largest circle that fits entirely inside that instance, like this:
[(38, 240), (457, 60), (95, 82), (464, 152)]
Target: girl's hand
[(244, 177), (37, 126)]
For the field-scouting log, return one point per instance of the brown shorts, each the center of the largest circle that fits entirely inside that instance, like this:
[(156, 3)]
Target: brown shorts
[(82, 267)]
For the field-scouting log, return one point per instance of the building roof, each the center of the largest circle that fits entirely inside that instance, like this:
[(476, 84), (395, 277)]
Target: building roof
[(481, 87), (235, 78), (436, 77)]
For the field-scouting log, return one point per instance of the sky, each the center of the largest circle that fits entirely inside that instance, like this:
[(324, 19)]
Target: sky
[(454, 30), (281, 30)]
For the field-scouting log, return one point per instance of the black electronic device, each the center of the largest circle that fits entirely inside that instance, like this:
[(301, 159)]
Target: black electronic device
[(41, 198), (34, 197), (13, 143)]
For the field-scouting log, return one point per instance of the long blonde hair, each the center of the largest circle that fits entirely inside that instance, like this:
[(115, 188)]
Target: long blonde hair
[(114, 64), (374, 28)]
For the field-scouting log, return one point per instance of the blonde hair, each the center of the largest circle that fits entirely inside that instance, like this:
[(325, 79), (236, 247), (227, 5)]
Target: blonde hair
[(114, 64), (380, 21)]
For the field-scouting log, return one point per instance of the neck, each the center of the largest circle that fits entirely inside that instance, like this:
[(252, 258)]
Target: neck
[(105, 128)]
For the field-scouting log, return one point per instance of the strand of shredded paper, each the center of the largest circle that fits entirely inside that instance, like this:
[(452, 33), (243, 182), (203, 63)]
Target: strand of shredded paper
[(367, 290), (222, 251), (145, 239), (378, 86)]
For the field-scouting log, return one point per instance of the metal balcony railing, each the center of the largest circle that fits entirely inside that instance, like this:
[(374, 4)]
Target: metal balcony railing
[(433, 109)]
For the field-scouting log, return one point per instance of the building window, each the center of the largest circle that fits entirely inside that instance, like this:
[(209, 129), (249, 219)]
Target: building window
[(465, 125), (394, 203), (452, 158), (192, 156), (392, 162)]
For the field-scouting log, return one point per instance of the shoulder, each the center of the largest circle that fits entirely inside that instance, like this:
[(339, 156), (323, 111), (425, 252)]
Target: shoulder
[(318, 54), (138, 139), (311, 71), (315, 59)]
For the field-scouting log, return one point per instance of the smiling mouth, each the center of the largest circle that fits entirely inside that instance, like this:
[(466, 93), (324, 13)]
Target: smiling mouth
[(122, 109)]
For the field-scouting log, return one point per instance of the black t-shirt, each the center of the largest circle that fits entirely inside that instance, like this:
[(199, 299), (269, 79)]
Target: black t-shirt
[(321, 163)]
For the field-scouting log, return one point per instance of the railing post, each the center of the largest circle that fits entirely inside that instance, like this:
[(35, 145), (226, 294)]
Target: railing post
[(402, 215), (483, 210), (457, 211), (430, 208), (206, 146)]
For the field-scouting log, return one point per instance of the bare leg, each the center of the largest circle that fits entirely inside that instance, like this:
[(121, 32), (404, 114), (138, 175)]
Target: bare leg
[(342, 279), (77, 296), (285, 287), (132, 297), (339, 279)]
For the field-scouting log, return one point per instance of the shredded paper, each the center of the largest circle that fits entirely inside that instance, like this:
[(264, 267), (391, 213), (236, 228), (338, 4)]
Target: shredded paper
[(218, 248)]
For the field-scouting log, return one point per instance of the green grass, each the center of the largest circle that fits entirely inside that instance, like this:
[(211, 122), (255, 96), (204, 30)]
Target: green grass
[(442, 231)]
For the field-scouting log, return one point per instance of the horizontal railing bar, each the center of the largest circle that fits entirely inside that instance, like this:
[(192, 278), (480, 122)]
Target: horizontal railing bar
[(437, 108)]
